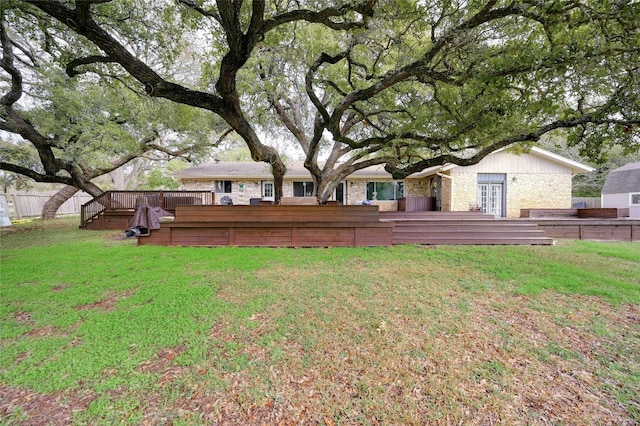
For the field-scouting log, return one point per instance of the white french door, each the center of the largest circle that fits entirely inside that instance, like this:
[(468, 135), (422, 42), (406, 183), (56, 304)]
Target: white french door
[(490, 198)]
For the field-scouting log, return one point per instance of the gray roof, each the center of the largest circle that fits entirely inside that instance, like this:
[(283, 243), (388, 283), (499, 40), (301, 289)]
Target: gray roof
[(256, 170), (225, 170), (249, 170), (623, 180)]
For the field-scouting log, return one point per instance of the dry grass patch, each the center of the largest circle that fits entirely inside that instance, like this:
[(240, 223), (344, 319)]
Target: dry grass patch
[(388, 348), (401, 335)]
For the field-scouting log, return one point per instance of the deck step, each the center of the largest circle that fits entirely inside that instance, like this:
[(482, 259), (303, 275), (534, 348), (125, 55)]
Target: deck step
[(464, 228), (480, 241)]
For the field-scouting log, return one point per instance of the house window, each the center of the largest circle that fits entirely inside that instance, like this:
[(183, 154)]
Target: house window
[(267, 190), (635, 199), (222, 187), (385, 190), (302, 189)]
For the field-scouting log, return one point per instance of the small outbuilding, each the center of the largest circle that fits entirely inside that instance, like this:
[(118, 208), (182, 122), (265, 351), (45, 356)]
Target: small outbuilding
[(622, 189)]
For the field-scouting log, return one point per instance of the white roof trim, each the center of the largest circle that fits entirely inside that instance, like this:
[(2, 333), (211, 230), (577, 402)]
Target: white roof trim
[(433, 170), (574, 165)]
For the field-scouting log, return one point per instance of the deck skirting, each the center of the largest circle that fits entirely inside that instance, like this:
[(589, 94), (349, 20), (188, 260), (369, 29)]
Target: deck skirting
[(353, 226), (590, 229), (273, 226)]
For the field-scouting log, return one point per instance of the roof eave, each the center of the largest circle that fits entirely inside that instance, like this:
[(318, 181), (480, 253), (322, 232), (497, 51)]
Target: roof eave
[(576, 168)]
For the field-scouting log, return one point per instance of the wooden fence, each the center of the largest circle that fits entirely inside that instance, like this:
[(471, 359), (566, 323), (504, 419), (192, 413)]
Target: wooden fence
[(21, 204), (586, 202)]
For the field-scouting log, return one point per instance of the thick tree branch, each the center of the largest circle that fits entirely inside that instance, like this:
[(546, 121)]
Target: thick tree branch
[(71, 66), (12, 96), (38, 177), (186, 150), (81, 22), (487, 14), (208, 13), (325, 16), (399, 171)]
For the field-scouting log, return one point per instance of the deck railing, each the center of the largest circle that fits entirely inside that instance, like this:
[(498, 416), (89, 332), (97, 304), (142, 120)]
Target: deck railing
[(131, 200)]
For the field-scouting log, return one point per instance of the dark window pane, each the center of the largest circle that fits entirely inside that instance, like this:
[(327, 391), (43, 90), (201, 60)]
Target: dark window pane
[(222, 186), (385, 190), (371, 188), (302, 189)]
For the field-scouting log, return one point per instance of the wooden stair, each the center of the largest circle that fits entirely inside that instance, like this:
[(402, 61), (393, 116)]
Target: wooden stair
[(434, 228), (109, 220)]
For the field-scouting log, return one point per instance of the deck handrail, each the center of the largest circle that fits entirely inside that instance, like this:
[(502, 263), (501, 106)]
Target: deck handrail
[(93, 208), (131, 200)]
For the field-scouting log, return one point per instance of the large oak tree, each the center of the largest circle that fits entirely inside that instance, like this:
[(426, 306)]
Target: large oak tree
[(402, 83), (72, 130), (135, 37), (450, 82)]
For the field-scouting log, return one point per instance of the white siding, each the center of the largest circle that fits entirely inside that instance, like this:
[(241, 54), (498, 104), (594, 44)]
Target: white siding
[(615, 200), (505, 162)]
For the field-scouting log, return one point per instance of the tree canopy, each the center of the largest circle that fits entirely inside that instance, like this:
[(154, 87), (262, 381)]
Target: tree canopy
[(71, 130), (409, 84)]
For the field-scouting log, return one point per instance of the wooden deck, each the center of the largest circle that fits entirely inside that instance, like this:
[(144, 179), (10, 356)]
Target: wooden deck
[(273, 226), (332, 225), (115, 209), (327, 226), (470, 228), (605, 224), (477, 228), (590, 229), (587, 213)]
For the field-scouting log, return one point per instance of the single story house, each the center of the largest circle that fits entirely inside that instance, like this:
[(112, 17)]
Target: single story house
[(501, 184), (622, 189)]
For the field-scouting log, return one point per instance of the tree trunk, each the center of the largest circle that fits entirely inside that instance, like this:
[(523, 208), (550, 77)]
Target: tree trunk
[(278, 170), (53, 204), (117, 177)]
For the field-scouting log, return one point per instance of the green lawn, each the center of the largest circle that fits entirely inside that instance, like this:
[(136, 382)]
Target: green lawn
[(95, 330)]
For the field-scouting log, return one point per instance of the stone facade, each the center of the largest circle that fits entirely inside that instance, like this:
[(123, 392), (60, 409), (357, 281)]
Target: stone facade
[(357, 193), (464, 186), (446, 188), (529, 191), (526, 191), (241, 190), (537, 179), (416, 187)]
